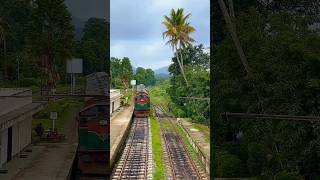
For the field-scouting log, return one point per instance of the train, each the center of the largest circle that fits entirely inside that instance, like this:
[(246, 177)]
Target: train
[(141, 102), (93, 153)]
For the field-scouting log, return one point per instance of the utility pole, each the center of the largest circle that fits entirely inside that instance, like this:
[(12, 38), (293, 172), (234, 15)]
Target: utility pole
[(18, 70)]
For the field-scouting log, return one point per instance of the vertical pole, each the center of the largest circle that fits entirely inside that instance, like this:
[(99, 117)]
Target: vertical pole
[(74, 82), (70, 83), (18, 72), (53, 124)]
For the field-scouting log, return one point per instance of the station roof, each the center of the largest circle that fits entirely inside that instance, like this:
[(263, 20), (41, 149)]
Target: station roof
[(115, 93)]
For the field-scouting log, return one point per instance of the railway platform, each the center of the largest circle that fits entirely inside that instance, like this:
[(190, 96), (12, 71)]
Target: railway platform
[(45, 161), (198, 141), (119, 129)]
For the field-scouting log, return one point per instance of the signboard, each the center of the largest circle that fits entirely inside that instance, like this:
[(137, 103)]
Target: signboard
[(133, 82), (74, 66), (53, 115)]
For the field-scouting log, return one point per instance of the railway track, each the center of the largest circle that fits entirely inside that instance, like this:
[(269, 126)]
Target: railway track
[(136, 160), (179, 161)]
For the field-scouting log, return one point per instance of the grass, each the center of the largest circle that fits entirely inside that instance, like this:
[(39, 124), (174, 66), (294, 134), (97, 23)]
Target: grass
[(128, 94), (189, 147), (159, 172), (204, 129), (65, 108)]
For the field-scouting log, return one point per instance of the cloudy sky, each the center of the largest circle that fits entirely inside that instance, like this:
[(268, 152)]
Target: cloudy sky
[(85, 9), (136, 29)]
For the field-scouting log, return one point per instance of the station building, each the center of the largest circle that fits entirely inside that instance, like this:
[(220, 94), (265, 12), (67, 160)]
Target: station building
[(15, 121), (115, 101)]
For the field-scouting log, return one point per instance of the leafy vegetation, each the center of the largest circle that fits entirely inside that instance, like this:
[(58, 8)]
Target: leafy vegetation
[(282, 50), (157, 149), (65, 109), (178, 30), (191, 99), (36, 39), (122, 73)]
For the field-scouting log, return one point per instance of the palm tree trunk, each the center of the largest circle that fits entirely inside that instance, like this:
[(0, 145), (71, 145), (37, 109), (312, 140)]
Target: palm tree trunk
[(234, 36), (181, 67), (231, 9), (181, 58)]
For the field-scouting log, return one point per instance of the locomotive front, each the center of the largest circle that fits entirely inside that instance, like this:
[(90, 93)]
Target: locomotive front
[(142, 102)]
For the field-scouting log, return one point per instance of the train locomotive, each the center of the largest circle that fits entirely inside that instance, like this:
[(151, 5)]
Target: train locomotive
[(94, 128), (141, 102)]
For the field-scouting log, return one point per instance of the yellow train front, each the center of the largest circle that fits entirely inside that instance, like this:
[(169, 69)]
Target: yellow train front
[(141, 102)]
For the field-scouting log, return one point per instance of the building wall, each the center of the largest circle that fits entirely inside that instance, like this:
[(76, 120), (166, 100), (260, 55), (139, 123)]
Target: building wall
[(4, 144), (21, 137), (115, 96), (117, 103)]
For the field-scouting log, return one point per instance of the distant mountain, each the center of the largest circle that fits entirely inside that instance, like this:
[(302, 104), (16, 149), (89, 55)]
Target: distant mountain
[(78, 24), (163, 71)]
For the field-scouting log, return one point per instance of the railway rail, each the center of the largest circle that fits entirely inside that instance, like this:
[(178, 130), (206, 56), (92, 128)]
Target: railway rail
[(180, 162), (136, 160)]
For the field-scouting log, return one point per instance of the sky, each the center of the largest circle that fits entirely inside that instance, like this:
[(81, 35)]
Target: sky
[(85, 9), (136, 29)]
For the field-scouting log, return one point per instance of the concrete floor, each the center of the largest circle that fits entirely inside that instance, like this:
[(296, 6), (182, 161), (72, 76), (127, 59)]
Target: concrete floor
[(50, 161), (198, 137), (119, 124)]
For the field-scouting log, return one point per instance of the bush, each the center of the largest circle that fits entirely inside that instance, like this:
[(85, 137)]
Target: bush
[(228, 165), (256, 159), (288, 176), (29, 82)]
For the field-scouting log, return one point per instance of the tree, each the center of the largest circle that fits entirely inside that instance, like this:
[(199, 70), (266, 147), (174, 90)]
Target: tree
[(234, 36), (127, 72), (150, 77), (178, 31), (116, 70), (140, 75), (95, 46), (285, 59), (3, 32), (50, 37), (196, 64), (145, 76)]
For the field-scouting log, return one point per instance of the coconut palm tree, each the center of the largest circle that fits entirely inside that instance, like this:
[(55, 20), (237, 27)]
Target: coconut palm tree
[(178, 32), (3, 26)]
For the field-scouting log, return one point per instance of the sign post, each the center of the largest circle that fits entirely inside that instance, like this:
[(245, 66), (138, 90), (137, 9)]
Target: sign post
[(74, 66), (133, 83), (53, 117)]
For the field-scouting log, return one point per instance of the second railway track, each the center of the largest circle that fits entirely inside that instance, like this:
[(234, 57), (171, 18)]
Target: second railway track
[(180, 162)]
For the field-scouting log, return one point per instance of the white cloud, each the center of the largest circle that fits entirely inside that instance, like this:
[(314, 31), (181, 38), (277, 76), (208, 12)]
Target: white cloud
[(136, 29)]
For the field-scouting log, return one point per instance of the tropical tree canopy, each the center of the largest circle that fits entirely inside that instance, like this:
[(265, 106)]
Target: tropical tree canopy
[(178, 31)]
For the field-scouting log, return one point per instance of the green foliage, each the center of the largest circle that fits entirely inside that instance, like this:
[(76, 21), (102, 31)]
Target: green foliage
[(145, 76), (27, 82), (228, 165), (288, 176), (126, 71), (196, 63), (284, 57), (157, 150), (49, 38), (94, 46), (121, 72)]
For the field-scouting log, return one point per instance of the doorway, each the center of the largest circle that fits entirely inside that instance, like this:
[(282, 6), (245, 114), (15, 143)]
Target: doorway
[(9, 147)]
